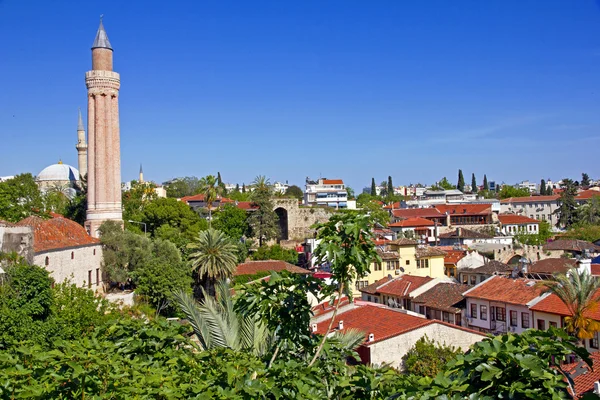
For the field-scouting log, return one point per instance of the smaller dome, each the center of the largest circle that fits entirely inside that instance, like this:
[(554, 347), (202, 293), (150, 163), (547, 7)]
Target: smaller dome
[(58, 172)]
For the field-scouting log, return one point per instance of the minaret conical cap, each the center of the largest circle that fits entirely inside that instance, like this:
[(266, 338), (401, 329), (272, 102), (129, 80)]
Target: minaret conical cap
[(101, 40), (80, 122)]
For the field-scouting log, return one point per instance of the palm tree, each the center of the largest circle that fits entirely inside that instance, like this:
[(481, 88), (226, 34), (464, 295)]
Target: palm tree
[(210, 188), (580, 292), (214, 256), (216, 323), (589, 213)]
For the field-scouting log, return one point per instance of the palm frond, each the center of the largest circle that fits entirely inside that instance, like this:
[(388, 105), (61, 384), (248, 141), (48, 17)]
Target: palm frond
[(350, 339), (191, 309)]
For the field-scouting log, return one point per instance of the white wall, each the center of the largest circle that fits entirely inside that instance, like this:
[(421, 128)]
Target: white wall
[(73, 264), (391, 350)]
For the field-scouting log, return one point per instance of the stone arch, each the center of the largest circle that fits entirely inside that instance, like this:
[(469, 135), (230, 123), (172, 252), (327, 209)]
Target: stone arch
[(282, 214), (515, 259)]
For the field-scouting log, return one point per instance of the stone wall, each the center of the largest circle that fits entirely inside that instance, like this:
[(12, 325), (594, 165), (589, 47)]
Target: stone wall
[(532, 253), (390, 351), (299, 219), (17, 239), (76, 265)]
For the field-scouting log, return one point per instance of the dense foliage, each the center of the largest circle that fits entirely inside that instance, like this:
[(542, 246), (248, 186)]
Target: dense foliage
[(275, 252), (427, 357), (232, 221)]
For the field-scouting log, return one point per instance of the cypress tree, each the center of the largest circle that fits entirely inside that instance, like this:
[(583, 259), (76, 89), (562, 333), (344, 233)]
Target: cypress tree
[(461, 181), (486, 187), (390, 186), (373, 187), (543, 188), (219, 181), (473, 184), (237, 187), (243, 188)]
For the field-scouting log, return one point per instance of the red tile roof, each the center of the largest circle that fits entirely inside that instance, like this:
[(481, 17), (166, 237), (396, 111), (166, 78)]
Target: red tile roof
[(401, 286), (200, 197), (392, 206), (553, 266), (587, 194), (464, 233), (328, 306), (383, 323), (443, 296), (6, 223), (454, 256), (552, 304), (571, 245), (405, 213), (333, 182), (57, 233), (412, 222), (428, 251), (465, 209), (595, 269), (403, 242), (246, 205), (506, 290), (529, 199), (584, 377), (254, 267), (513, 219)]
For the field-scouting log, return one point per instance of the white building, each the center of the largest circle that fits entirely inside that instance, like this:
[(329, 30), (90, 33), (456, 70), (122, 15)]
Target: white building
[(532, 187), (512, 224), (279, 187), (541, 208), (326, 192)]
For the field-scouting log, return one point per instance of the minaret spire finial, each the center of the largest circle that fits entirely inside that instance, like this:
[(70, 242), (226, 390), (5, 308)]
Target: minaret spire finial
[(80, 121), (101, 40)]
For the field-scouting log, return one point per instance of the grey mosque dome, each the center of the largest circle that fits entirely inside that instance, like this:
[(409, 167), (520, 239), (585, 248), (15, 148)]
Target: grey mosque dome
[(58, 173)]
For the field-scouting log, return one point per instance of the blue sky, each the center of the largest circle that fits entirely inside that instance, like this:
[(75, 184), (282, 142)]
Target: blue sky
[(289, 89)]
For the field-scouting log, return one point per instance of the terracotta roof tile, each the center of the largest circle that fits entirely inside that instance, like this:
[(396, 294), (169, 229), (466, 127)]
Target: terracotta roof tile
[(392, 206), (513, 219), (383, 323), (403, 242), (254, 267), (57, 233), (200, 197), (506, 290), (529, 199), (587, 194), (333, 182), (553, 266), (401, 286), (443, 296), (413, 222), (246, 205), (584, 377), (6, 223), (595, 269), (328, 306), (428, 251), (454, 256), (492, 267), (552, 304), (571, 245), (417, 212)]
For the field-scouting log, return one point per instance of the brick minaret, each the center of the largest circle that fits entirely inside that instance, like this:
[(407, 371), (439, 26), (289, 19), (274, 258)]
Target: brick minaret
[(104, 157), (81, 148)]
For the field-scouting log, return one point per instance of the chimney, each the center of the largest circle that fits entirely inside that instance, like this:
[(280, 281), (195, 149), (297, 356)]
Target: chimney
[(597, 387), (371, 337), (314, 328), (458, 232), (341, 325)]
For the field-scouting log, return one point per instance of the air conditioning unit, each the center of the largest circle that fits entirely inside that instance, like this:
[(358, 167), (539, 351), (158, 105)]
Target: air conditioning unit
[(397, 272)]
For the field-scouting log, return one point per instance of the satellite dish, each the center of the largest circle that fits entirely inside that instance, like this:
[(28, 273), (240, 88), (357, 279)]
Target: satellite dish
[(402, 269)]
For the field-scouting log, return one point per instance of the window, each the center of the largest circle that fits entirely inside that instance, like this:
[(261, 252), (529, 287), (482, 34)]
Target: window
[(90, 278), (377, 266), (389, 265), (541, 324), (72, 255), (407, 262), (446, 316), (368, 298), (500, 314), (47, 261), (94, 251), (513, 318), (524, 320), (361, 284), (552, 324), (422, 310), (97, 276), (594, 341), (483, 313), (474, 311), (537, 216), (423, 263), (473, 279)]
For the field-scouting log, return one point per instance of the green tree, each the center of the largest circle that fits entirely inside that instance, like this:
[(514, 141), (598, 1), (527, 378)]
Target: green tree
[(211, 190), (508, 191), (486, 186), (443, 184), (184, 186), (217, 324), (213, 257), (346, 244), (580, 293), (276, 252), (232, 221), (589, 213), (350, 193), (567, 206), (171, 212), (77, 207), (585, 180), (474, 188), (376, 212), (543, 187), (373, 187), (589, 233), (428, 358), (294, 191), (540, 238), (20, 198), (243, 188), (461, 181), (390, 186), (263, 221)]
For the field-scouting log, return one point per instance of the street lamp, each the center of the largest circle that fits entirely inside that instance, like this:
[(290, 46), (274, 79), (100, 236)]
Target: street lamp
[(141, 223)]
